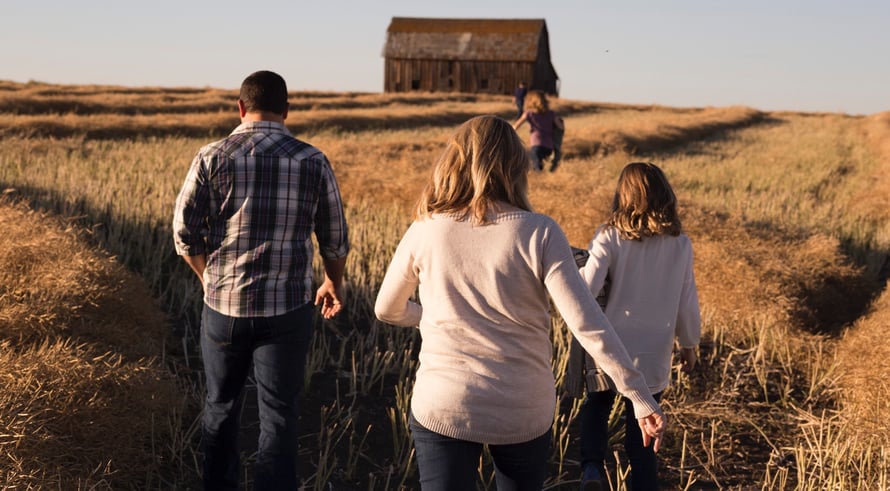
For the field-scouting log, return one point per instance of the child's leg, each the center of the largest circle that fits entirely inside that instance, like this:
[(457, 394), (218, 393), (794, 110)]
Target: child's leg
[(555, 162), (538, 154), (643, 465), (557, 149), (595, 429)]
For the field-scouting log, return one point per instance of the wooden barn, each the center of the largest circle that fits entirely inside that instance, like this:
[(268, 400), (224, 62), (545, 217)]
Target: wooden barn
[(468, 55)]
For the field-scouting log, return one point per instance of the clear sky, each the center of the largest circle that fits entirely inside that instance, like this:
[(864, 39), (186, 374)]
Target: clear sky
[(802, 55)]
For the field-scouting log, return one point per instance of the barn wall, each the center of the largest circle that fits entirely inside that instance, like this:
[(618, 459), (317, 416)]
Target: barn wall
[(494, 77), (545, 78)]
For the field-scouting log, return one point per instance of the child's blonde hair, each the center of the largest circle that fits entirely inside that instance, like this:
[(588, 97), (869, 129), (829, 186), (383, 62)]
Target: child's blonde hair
[(644, 204), (483, 162), (536, 102)]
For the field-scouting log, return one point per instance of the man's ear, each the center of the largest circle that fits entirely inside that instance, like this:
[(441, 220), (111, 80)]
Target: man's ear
[(284, 115), (241, 109)]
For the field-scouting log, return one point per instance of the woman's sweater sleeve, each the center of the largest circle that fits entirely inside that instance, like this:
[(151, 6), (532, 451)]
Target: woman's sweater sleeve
[(394, 304)]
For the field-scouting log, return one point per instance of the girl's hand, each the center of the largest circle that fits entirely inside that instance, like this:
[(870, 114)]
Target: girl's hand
[(688, 359)]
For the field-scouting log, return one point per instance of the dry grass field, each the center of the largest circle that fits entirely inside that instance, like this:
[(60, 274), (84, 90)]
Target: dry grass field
[(788, 213)]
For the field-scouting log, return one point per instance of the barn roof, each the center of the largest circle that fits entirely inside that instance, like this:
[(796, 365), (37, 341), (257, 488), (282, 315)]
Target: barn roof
[(464, 39)]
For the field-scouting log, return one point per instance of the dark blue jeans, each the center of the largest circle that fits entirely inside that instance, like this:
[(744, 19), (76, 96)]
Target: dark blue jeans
[(277, 347), (595, 439), (449, 464), (538, 154)]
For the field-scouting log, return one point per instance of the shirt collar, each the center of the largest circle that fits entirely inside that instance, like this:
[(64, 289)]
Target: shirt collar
[(261, 126)]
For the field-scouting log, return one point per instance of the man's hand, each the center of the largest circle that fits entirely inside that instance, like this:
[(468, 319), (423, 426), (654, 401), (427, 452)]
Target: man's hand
[(330, 299), (330, 293), (652, 427)]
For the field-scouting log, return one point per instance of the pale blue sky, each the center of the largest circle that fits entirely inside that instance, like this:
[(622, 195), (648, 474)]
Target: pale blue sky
[(815, 55)]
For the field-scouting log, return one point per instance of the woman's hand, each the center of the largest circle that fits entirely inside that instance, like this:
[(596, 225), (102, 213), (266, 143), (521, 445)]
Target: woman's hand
[(653, 427)]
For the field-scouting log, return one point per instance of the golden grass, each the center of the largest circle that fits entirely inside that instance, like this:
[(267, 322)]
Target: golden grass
[(874, 201), (649, 129), (863, 353), (109, 112), (788, 254), (111, 125), (86, 400), (864, 358)]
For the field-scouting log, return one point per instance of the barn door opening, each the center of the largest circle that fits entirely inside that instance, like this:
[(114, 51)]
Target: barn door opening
[(452, 76)]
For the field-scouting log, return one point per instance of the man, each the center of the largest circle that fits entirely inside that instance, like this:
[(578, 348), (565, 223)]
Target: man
[(519, 98), (243, 222)]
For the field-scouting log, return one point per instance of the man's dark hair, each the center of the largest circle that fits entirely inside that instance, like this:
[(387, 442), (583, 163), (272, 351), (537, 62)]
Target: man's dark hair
[(264, 91)]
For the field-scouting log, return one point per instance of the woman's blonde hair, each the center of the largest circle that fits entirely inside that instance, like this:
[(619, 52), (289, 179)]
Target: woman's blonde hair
[(536, 102), (483, 162), (644, 204)]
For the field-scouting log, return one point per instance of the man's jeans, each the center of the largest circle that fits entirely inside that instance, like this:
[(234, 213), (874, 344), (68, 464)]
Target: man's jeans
[(595, 439), (277, 347), (447, 464)]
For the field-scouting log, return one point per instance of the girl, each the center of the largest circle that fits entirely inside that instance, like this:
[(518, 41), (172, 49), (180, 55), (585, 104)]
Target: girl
[(545, 124), (646, 259), (484, 264)]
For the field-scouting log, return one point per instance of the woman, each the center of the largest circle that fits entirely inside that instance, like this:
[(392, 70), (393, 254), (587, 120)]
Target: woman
[(545, 124), (484, 264)]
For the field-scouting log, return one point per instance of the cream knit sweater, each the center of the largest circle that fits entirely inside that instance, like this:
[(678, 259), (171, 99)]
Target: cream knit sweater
[(652, 297), (485, 361)]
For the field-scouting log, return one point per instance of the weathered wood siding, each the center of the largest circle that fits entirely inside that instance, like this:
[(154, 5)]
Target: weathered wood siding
[(495, 77)]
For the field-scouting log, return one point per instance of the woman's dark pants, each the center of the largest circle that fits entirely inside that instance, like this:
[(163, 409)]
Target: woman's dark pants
[(449, 464)]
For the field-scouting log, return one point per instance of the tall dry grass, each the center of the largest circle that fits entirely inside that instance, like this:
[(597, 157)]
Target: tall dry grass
[(863, 353), (89, 400), (773, 203)]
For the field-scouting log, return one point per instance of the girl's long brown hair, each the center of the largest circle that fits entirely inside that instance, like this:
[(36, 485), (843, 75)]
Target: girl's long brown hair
[(483, 162), (644, 204)]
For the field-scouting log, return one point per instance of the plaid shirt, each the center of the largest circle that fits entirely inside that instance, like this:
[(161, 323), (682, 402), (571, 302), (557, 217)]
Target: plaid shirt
[(250, 203)]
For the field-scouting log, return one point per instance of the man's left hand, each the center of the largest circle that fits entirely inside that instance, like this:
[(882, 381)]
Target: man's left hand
[(329, 298)]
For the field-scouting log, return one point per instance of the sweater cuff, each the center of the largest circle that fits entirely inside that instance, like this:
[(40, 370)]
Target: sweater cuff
[(644, 404)]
